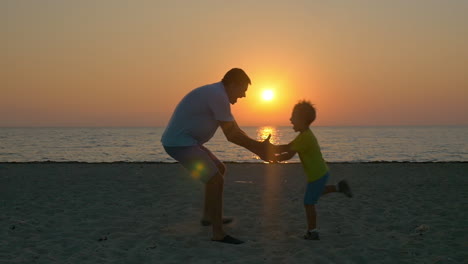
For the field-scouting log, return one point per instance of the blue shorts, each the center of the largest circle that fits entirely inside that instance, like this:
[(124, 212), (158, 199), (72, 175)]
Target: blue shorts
[(315, 189), (198, 160)]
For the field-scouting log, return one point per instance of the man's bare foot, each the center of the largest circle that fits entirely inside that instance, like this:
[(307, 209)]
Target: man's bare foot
[(229, 240), (226, 220)]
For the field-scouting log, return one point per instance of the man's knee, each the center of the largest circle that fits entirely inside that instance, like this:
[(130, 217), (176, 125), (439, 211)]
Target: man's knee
[(221, 168), (217, 179)]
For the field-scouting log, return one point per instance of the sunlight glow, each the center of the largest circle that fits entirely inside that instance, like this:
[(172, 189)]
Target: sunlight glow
[(262, 134), (268, 95)]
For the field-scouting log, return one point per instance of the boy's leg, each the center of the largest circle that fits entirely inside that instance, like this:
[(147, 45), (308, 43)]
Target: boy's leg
[(342, 187), (313, 192), (329, 189), (311, 216), (312, 233)]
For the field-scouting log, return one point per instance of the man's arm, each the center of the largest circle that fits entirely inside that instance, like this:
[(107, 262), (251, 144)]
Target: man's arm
[(235, 135)]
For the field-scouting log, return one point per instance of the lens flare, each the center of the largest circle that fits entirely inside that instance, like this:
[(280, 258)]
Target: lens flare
[(198, 169)]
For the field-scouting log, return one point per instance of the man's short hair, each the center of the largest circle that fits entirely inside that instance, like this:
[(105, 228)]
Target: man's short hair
[(236, 75), (306, 110)]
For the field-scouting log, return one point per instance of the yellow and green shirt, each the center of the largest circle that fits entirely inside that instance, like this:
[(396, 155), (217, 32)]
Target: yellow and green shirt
[(306, 145)]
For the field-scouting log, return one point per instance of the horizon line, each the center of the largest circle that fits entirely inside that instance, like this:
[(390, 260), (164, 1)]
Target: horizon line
[(156, 126)]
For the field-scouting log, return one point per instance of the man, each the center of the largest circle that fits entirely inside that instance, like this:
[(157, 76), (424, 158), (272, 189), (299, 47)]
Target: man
[(194, 122)]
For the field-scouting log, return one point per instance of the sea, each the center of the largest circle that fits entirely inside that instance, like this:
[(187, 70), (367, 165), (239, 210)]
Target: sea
[(142, 144)]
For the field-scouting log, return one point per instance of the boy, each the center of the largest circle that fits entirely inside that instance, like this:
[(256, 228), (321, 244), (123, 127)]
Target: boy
[(306, 145)]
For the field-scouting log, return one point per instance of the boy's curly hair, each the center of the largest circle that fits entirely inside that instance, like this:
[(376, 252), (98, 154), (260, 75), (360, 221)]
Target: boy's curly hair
[(306, 110)]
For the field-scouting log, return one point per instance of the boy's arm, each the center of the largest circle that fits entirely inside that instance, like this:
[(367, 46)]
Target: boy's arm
[(284, 152)]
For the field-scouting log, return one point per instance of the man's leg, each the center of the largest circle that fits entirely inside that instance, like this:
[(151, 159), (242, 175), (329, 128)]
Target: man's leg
[(206, 205), (214, 204), (202, 163), (206, 214)]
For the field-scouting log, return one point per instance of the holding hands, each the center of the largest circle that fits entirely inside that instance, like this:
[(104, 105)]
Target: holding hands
[(266, 151), (274, 153)]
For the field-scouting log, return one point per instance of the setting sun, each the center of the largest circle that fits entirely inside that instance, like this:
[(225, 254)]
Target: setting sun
[(268, 95)]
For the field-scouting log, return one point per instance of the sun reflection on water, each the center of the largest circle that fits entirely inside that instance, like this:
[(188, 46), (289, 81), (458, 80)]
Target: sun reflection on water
[(263, 132)]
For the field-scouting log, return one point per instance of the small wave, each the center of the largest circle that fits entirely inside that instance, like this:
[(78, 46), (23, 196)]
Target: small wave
[(340, 144)]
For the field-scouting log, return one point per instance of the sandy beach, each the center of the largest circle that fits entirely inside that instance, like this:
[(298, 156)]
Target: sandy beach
[(149, 213)]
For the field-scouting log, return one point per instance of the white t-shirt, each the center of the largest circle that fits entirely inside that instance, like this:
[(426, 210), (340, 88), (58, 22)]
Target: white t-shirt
[(196, 117)]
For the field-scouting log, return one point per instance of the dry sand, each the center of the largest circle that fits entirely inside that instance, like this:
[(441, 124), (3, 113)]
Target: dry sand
[(149, 213)]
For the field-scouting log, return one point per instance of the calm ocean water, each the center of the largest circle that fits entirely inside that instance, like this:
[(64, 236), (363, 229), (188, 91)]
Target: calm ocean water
[(339, 144)]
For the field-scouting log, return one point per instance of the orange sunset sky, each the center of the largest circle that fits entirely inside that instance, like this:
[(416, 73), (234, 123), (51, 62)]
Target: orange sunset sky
[(128, 63)]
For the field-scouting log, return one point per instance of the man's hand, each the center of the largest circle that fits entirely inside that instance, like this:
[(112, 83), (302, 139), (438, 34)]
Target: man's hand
[(264, 149), (267, 151)]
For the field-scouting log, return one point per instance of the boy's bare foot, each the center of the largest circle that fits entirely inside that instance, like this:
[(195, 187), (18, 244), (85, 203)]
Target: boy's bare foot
[(343, 187)]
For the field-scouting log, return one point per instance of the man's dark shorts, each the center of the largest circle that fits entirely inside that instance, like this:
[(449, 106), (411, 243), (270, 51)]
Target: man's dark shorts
[(198, 160)]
